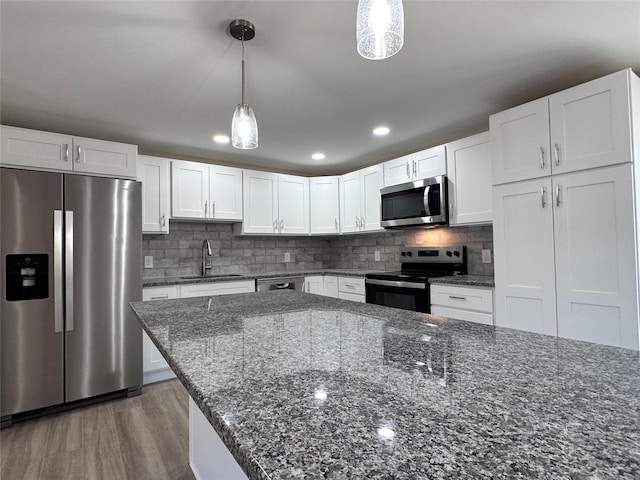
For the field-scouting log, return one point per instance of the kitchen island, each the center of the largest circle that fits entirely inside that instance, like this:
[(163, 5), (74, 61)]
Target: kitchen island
[(303, 386)]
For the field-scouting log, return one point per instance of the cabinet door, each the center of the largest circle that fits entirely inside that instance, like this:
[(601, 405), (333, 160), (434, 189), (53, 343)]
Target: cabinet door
[(590, 124), (32, 148), (429, 163), (293, 204), (371, 181), (324, 205), (398, 170), (152, 359), (520, 142), (104, 158), (189, 189), (524, 256), (314, 284), (225, 185), (153, 172), (469, 167), (260, 202), (595, 257), (331, 286), (350, 202)]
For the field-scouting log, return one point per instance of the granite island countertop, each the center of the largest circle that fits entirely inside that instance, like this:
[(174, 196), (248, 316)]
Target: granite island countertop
[(466, 280), (190, 279), (305, 386)]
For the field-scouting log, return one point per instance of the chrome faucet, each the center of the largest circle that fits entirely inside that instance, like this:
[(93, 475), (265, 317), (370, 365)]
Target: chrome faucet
[(206, 249)]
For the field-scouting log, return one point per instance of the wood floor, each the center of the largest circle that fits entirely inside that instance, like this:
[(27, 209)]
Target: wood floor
[(140, 438)]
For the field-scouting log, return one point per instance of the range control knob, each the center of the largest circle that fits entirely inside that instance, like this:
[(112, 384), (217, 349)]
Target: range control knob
[(409, 254), (403, 254), (448, 253), (456, 253)]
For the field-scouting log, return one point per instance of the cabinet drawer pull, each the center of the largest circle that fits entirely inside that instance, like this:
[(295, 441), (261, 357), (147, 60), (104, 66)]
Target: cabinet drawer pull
[(542, 157), (159, 297), (455, 297), (408, 172), (79, 149), (557, 195), (556, 149), (349, 285), (542, 197), (66, 152)]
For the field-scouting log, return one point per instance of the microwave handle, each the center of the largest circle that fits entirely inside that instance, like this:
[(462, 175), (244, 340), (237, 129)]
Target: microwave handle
[(425, 199)]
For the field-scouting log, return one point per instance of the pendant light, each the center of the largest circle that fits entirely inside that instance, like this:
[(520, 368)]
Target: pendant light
[(379, 28), (244, 128)]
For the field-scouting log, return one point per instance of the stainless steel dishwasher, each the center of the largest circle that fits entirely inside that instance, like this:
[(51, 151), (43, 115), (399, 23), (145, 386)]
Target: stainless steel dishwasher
[(279, 283)]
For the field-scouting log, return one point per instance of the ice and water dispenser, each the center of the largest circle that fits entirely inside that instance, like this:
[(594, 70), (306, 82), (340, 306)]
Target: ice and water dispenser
[(27, 276)]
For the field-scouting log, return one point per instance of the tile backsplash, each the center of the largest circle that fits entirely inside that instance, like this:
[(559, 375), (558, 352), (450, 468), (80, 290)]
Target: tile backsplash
[(179, 252)]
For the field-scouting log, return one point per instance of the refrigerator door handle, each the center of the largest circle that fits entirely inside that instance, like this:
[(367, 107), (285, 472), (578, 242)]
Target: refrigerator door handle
[(68, 247), (58, 280)]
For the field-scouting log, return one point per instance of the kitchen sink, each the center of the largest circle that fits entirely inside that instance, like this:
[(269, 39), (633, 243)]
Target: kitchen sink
[(220, 275)]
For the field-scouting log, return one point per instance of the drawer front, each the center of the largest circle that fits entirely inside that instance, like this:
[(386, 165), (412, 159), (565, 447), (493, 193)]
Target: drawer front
[(467, 315), (354, 297), (159, 293), (468, 298), (216, 288), (351, 285)]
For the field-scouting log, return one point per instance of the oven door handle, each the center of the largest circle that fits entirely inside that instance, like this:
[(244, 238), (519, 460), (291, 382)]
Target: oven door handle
[(427, 207), (393, 283)]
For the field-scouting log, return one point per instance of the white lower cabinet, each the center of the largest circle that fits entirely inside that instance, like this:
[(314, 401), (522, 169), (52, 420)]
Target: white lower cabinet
[(331, 286), (473, 304), (314, 284), (565, 256), (351, 288), (154, 366)]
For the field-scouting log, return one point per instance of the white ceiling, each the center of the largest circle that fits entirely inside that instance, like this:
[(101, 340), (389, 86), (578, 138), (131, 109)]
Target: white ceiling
[(166, 75)]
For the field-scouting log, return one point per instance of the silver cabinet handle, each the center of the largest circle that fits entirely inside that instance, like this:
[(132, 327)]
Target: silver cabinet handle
[(455, 297), (68, 252), (357, 222), (542, 197), (282, 225), (336, 223), (408, 172), (542, 157), (79, 152), (163, 221), (362, 222), (556, 149), (159, 297), (206, 209), (275, 224), (349, 285), (66, 152), (213, 209), (415, 168), (557, 195), (58, 279)]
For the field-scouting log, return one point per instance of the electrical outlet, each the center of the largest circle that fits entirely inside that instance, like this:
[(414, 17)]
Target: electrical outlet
[(148, 261), (377, 255), (287, 257), (486, 256)]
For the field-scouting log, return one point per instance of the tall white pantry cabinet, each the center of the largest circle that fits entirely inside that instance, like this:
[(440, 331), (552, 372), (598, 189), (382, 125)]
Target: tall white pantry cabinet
[(566, 207)]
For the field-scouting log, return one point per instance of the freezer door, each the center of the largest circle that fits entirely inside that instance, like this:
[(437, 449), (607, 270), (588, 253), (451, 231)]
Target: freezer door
[(103, 339), (31, 349)]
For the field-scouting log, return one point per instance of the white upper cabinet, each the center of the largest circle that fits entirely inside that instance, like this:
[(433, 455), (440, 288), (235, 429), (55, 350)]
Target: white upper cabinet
[(583, 127), (154, 174), (469, 167), (51, 151), (360, 200), (324, 204), (520, 142), (590, 124), (225, 192), (275, 203), (424, 164), (208, 192)]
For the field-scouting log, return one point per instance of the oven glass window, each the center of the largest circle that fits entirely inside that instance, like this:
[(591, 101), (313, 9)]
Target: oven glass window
[(416, 300)]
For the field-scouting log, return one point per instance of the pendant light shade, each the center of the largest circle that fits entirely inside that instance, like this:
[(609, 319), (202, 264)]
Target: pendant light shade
[(244, 128), (379, 28)]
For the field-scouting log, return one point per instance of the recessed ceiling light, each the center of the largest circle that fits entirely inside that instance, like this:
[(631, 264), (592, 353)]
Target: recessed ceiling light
[(221, 139), (318, 156), (380, 131)]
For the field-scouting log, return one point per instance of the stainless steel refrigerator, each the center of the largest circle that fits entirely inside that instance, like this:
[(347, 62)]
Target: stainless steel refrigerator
[(71, 263)]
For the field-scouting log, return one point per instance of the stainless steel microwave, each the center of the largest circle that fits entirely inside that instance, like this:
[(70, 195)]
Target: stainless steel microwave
[(413, 204)]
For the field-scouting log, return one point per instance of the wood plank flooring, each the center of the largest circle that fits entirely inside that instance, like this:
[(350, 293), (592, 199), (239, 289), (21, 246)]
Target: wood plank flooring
[(140, 438)]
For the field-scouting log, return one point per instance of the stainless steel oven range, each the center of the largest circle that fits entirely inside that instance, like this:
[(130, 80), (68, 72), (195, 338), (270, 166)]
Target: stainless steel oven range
[(409, 288)]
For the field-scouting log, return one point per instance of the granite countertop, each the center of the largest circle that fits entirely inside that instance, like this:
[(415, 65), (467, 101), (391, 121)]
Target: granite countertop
[(304, 386), (166, 281), (466, 280)]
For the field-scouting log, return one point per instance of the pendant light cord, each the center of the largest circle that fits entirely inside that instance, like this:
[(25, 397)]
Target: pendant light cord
[(243, 102)]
